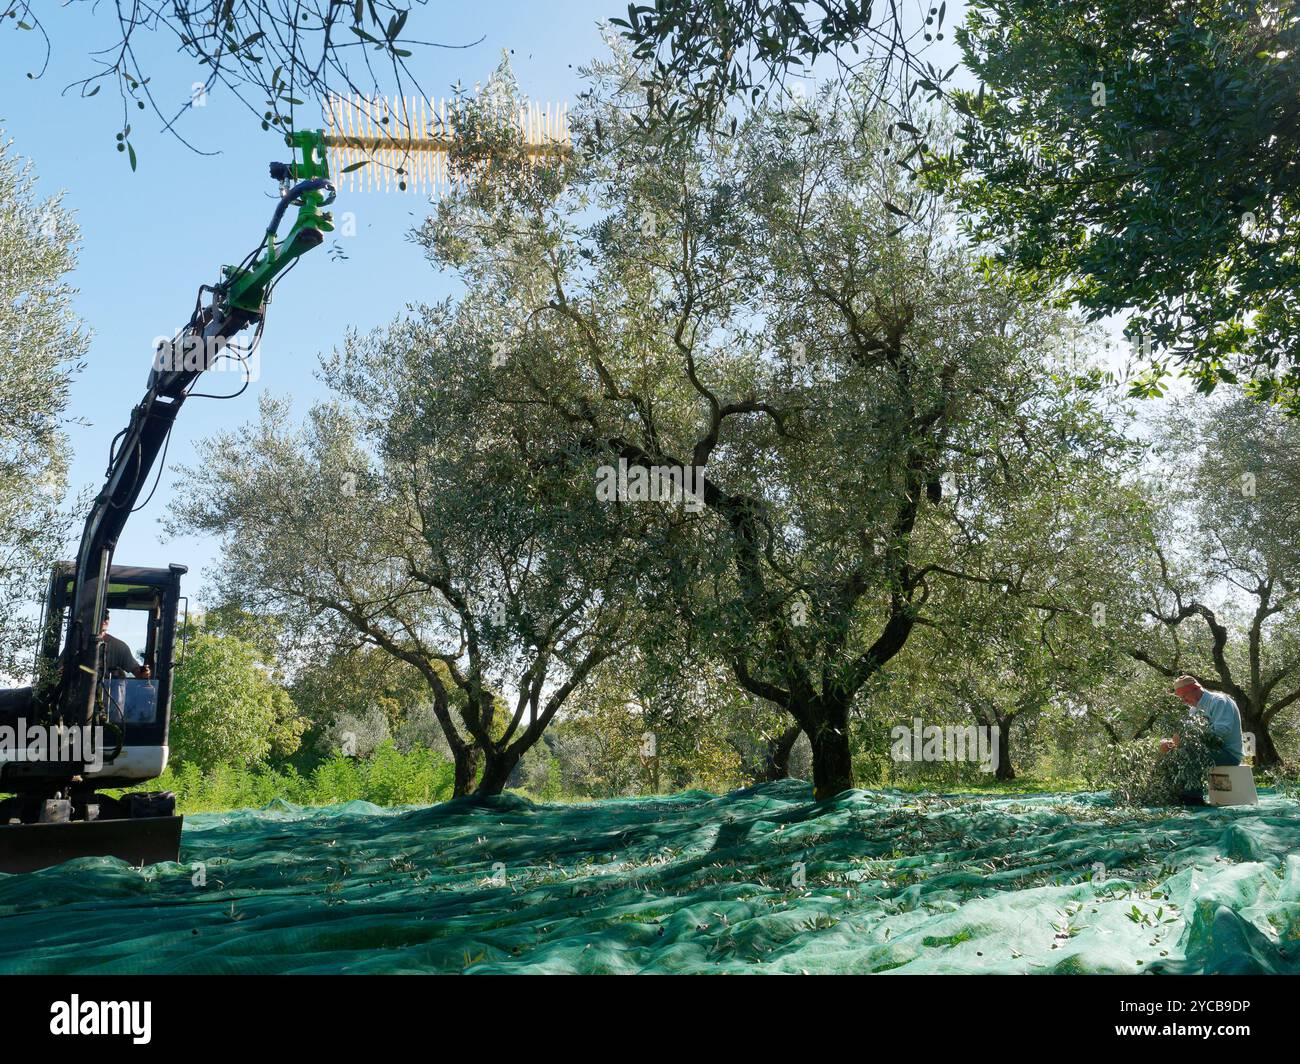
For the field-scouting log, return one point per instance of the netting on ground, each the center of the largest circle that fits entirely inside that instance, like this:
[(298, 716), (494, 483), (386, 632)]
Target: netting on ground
[(762, 880)]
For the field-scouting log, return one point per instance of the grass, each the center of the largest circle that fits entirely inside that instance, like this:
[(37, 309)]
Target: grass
[(387, 778), (422, 777)]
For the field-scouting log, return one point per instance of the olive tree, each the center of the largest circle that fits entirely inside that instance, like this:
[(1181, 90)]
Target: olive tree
[(770, 319), (1221, 587), (1028, 625), (417, 525), (699, 60), (1140, 157), (43, 349)]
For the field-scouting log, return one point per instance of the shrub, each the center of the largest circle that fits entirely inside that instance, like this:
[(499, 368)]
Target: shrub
[(390, 777), (226, 708)]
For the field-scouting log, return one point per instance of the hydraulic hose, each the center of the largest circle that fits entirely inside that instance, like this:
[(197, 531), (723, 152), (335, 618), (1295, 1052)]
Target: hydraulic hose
[(300, 189)]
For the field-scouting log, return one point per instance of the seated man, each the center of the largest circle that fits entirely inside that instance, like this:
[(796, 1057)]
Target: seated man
[(1224, 721), (118, 657)]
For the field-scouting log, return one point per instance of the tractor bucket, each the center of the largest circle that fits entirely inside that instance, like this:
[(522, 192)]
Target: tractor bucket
[(138, 841)]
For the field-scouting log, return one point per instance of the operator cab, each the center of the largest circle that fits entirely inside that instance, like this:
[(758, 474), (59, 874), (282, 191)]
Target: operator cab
[(57, 812), (133, 712)]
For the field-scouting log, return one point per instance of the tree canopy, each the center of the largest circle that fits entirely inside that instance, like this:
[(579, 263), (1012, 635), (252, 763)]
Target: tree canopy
[(44, 346), (1142, 158), (274, 58), (1221, 596), (226, 708), (756, 313)]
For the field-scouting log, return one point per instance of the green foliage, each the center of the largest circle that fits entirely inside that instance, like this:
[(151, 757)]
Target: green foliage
[(1219, 596), (699, 58), (1140, 775), (389, 777), (1242, 485), (348, 685), (700, 732), (829, 367), (43, 347), (538, 774), (270, 56), (226, 709), (264, 631), (1285, 779), (1140, 156)]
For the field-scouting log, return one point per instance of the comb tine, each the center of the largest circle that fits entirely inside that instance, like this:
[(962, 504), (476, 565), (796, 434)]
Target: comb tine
[(355, 129), (343, 155), (428, 115), (372, 133), (352, 156), (406, 141), (345, 112), (336, 153), (363, 122), (399, 137), (385, 129), (413, 126), (425, 158), (394, 131), (354, 121), (428, 119), (339, 159)]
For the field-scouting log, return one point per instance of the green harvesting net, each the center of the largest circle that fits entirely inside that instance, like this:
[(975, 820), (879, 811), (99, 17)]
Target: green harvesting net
[(762, 880)]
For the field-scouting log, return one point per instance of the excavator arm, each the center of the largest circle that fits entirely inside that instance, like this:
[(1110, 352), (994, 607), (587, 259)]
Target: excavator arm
[(235, 303)]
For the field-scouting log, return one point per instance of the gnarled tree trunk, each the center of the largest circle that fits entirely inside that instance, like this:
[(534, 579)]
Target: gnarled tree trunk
[(466, 760), (1005, 770), (776, 762), (832, 759), (497, 766), (1266, 755)]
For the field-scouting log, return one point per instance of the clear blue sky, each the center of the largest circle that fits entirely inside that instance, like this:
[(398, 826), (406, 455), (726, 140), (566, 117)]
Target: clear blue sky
[(150, 238)]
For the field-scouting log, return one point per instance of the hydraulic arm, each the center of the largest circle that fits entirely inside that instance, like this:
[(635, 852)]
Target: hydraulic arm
[(235, 303)]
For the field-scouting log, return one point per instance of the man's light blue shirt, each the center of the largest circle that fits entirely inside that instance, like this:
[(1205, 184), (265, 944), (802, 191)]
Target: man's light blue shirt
[(1225, 721)]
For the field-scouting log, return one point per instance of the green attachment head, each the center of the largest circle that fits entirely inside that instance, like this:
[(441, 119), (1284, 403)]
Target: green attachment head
[(311, 143), (304, 183)]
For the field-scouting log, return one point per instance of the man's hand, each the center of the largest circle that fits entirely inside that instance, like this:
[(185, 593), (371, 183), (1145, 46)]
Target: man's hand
[(1166, 745), (145, 673)]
